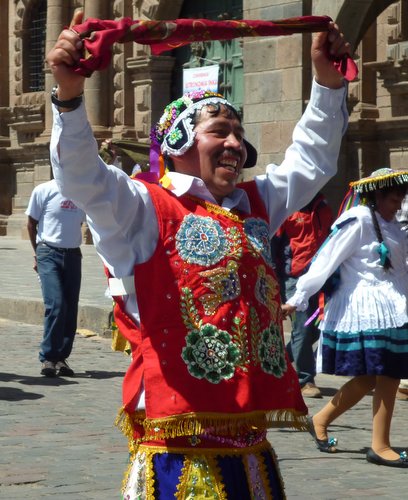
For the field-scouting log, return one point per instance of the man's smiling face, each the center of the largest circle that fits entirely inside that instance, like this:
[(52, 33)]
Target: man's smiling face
[(218, 153)]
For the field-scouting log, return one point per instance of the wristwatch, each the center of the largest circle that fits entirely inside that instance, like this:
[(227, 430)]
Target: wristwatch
[(70, 104)]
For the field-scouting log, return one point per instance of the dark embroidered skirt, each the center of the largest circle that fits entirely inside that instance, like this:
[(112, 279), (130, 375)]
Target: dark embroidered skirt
[(163, 472), (372, 352)]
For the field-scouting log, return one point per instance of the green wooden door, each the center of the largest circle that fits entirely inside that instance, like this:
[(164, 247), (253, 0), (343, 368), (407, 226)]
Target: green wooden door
[(228, 54)]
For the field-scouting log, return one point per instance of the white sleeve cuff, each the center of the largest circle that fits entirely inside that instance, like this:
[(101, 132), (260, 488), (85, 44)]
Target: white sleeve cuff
[(326, 98), (299, 301)]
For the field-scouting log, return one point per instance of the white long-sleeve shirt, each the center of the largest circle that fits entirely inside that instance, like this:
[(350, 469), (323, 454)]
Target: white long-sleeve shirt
[(120, 212), (368, 296)]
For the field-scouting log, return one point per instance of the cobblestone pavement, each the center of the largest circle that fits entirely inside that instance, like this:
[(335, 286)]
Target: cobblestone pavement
[(57, 437)]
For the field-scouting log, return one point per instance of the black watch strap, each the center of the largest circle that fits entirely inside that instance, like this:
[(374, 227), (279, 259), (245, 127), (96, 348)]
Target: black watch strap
[(70, 104)]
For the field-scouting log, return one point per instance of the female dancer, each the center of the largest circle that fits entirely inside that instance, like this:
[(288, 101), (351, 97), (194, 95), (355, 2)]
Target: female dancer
[(365, 324)]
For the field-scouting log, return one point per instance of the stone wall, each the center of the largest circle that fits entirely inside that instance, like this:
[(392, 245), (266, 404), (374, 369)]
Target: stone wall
[(124, 100), (273, 83)]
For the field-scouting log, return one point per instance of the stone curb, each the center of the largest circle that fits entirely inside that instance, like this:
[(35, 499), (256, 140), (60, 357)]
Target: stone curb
[(95, 319)]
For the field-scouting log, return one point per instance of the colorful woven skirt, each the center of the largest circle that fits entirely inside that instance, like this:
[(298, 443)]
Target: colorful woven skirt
[(163, 472), (372, 352)]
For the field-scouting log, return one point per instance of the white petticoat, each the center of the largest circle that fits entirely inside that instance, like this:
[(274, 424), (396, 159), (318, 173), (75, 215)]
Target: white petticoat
[(366, 307)]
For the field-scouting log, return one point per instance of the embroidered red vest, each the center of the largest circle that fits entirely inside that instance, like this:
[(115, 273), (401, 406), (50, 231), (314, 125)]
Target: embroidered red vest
[(210, 348)]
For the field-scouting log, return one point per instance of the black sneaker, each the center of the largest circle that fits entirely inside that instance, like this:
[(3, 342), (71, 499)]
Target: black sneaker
[(48, 369), (63, 369)]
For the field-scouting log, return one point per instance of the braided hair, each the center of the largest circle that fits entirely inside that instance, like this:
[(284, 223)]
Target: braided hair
[(369, 199), (371, 205)]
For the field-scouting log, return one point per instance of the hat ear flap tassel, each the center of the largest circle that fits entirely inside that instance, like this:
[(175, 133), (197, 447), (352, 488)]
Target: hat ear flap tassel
[(350, 200), (162, 166)]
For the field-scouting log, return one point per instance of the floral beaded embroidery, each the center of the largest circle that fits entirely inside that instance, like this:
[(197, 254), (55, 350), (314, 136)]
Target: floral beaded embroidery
[(235, 240), (257, 233), (225, 284), (189, 312), (174, 136), (199, 480), (136, 487), (255, 330), (271, 352), (201, 240), (239, 331), (184, 104), (266, 289), (211, 354)]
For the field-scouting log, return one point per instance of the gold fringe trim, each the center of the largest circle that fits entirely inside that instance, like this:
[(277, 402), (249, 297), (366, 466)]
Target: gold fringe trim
[(194, 424), (180, 493), (150, 480), (261, 474), (264, 476), (126, 424), (216, 209), (216, 470), (278, 471)]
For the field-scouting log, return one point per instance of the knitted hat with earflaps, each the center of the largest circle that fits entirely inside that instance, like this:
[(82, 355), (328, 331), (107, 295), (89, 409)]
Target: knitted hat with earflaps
[(174, 133)]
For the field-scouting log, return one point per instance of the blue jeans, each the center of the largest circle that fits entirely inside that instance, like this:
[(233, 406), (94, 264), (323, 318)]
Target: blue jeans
[(60, 275), (302, 338)]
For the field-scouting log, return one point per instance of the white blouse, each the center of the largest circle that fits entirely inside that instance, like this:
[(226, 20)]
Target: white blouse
[(368, 296)]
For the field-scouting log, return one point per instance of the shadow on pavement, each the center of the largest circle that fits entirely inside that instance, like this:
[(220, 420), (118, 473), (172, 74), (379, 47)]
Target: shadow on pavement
[(361, 452), (328, 391), (37, 380), (41, 380), (13, 394), (99, 375)]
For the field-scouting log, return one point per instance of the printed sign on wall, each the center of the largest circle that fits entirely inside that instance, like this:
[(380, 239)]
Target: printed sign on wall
[(204, 78)]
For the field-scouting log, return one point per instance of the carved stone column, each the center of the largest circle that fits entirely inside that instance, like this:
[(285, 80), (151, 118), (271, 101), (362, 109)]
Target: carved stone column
[(97, 92), (122, 91), (394, 74), (57, 16), (4, 58), (31, 167), (151, 78)]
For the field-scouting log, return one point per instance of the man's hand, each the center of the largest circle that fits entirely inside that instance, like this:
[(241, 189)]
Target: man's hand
[(35, 264), (65, 53), (325, 47), (287, 310)]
